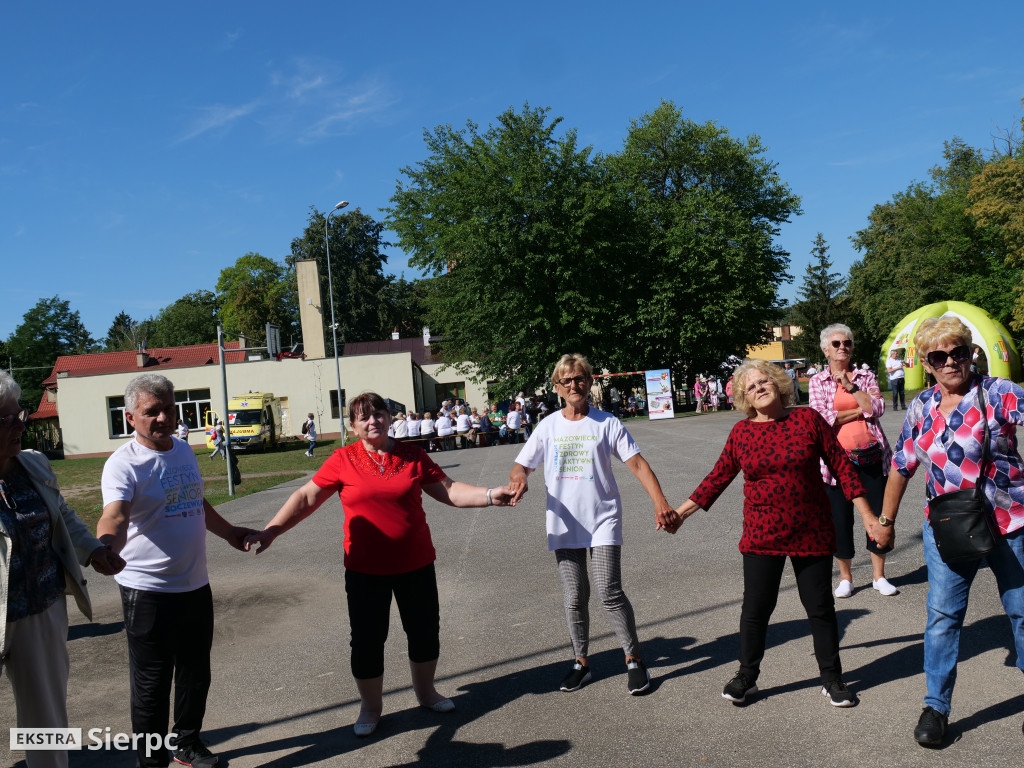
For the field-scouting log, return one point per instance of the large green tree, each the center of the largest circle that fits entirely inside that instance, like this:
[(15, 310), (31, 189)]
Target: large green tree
[(123, 334), (357, 270), (705, 210), (518, 226), (821, 302), (192, 319), (923, 246), (47, 331), (252, 292)]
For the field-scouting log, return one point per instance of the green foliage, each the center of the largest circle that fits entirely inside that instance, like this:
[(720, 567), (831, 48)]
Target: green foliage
[(517, 224), (192, 319), (123, 334), (253, 292), (704, 208), (361, 289), (48, 330), (821, 302), (923, 246), (661, 255)]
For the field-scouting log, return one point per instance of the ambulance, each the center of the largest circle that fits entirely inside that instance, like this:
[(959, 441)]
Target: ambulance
[(254, 421)]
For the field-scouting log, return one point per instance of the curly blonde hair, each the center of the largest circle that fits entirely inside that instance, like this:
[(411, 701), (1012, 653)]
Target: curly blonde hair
[(567, 363), (777, 376), (936, 331)]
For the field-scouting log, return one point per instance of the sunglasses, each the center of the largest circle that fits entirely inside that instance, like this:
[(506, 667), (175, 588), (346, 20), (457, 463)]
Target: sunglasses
[(579, 381), (939, 357), (8, 421), (845, 343)]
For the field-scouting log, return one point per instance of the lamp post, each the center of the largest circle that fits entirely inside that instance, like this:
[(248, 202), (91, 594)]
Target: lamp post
[(334, 324)]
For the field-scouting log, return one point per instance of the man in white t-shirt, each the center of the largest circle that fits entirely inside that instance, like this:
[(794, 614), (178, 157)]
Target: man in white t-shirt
[(584, 512), (894, 366), (156, 518)]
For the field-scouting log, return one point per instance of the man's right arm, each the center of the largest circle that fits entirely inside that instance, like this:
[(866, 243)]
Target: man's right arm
[(112, 529)]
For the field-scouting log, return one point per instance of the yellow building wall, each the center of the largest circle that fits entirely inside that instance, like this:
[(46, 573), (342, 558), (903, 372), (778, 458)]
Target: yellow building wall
[(82, 402)]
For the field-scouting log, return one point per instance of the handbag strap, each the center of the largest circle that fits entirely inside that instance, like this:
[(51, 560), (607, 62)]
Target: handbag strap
[(978, 494)]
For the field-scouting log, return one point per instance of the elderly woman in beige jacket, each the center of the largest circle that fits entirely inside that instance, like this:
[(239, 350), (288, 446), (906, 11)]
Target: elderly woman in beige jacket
[(43, 545)]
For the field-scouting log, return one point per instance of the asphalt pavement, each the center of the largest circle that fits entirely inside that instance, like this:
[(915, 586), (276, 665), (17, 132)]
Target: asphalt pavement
[(283, 695)]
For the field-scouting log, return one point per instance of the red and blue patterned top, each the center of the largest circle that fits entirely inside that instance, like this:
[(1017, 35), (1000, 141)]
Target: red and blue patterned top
[(951, 451)]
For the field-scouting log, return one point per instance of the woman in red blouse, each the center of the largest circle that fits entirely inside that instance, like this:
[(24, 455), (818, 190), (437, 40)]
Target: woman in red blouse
[(388, 549), (785, 514)]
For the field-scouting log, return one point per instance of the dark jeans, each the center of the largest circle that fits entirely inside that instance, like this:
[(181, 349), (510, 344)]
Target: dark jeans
[(896, 385), (369, 611), (873, 479), (170, 635), (762, 575)]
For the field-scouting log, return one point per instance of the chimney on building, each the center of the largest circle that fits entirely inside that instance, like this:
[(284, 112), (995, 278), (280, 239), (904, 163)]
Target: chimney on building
[(426, 336), (312, 317), (141, 356)]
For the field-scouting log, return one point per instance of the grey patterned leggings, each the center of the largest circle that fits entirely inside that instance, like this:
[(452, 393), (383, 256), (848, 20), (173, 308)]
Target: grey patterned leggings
[(607, 572)]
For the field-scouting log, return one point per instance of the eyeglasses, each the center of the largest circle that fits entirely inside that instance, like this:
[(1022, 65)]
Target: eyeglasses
[(939, 357), (6, 422), (757, 385), (845, 343), (579, 381)]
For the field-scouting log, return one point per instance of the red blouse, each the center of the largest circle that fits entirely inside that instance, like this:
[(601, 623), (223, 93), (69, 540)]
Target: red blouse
[(785, 508), (386, 530)]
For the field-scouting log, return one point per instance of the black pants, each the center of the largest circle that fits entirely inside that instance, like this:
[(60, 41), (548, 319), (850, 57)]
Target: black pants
[(896, 385), (170, 635), (369, 613), (873, 478), (762, 575)]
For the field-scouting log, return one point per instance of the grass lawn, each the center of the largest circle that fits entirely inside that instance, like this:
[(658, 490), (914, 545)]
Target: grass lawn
[(80, 478)]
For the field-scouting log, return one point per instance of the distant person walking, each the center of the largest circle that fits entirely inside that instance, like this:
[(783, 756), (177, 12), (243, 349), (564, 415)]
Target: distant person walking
[(309, 430), (219, 440), (894, 366)]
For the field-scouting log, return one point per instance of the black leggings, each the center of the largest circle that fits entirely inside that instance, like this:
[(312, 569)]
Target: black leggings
[(873, 479), (762, 575), (369, 611)]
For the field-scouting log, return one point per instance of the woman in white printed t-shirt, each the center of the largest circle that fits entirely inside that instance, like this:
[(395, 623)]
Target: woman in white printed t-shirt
[(427, 432), (444, 431), (584, 512), (414, 425)]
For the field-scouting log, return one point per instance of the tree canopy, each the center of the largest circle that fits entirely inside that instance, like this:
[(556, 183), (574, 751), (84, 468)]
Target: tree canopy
[(821, 302), (253, 291), (661, 255)]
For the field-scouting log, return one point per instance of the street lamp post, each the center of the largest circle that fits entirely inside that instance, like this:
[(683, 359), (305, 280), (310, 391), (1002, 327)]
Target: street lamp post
[(334, 324)]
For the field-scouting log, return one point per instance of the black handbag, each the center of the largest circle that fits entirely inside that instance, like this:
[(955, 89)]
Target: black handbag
[(963, 529)]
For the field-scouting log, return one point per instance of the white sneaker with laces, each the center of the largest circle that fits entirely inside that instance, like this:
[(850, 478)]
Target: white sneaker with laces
[(845, 588), (883, 586)]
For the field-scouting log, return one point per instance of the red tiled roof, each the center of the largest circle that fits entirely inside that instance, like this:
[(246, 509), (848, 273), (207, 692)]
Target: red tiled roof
[(421, 354), (127, 362), (46, 409)]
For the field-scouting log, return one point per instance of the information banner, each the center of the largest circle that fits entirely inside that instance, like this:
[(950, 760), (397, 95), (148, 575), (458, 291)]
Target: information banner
[(659, 394)]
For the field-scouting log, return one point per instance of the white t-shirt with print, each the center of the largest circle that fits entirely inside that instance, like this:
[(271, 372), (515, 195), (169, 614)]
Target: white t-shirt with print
[(583, 504), (166, 546), (894, 367)]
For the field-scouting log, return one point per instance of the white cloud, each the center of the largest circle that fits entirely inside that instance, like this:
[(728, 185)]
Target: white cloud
[(217, 116)]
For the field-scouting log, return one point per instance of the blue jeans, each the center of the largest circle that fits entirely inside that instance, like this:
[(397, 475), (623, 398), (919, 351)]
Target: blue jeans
[(949, 586)]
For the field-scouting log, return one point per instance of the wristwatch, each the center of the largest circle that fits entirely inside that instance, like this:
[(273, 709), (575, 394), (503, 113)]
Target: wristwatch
[(884, 521), (853, 388)]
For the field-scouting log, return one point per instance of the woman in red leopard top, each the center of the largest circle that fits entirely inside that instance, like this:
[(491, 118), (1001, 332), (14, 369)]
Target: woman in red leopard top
[(388, 549), (786, 514)]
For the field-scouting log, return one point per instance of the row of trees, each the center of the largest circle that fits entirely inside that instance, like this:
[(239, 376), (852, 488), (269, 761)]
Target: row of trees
[(959, 235)]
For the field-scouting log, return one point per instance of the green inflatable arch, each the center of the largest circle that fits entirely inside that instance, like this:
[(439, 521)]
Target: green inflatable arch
[(991, 336)]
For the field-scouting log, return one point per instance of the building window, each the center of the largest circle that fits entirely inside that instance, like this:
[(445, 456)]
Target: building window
[(334, 404), (118, 423), (193, 405), (452, 391)]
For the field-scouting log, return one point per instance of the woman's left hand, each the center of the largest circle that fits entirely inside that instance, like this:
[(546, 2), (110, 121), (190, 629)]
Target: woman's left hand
[(505, 496), (105, 561)]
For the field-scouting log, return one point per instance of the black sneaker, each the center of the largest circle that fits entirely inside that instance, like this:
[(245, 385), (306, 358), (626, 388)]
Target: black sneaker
[(931, 727), (577, 678), (838, 694), (739, 688), (637, 678), (195, 754)]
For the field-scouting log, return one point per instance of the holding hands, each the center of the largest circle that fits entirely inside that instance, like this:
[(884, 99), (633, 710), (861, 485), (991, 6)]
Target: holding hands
[(104, 560)]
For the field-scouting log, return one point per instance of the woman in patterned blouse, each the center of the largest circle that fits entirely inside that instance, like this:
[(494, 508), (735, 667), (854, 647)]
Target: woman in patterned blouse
[(786, 514), (944, 432), (388, 549)]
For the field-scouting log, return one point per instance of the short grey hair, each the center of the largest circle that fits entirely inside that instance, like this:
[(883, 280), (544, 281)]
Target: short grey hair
[(149, 383), (9, 389), (834, 329)]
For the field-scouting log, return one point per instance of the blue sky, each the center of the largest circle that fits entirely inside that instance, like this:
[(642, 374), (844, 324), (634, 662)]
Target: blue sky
[(143, 148)]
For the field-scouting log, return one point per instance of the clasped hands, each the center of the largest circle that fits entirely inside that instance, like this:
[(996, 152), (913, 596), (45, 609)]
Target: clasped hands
[(670, 520)]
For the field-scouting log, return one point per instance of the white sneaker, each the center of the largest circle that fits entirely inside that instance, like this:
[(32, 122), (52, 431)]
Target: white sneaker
[(845, 588), (883, 586)]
